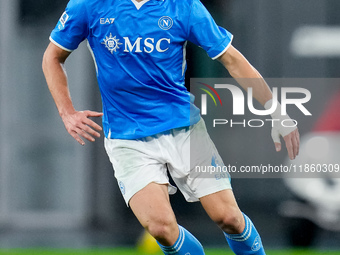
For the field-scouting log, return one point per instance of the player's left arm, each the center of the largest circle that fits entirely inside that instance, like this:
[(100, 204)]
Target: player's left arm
[(239, 68)]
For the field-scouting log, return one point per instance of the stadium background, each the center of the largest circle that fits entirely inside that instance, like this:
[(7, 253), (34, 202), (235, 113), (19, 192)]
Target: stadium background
[(55, 193)]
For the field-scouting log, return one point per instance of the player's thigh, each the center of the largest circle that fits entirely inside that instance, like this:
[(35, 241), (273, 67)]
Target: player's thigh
[(222, 208), (149, 202), (152, 208)]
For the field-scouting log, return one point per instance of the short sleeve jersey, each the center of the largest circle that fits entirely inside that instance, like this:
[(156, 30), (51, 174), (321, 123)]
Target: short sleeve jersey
[(139, 53)]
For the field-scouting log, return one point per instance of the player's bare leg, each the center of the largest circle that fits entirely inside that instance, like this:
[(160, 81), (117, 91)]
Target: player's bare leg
[(224, 211), (238, 229), (152, 208)]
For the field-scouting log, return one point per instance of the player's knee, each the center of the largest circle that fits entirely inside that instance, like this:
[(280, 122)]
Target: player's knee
[(230, 222), (163, 230), (159, 231)]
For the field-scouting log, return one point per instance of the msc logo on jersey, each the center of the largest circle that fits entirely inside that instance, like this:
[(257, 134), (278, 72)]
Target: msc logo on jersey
[(165, 23), (111, 43), (147, 45)]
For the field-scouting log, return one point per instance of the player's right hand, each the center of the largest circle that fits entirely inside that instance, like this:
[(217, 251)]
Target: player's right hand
[(79, 126)]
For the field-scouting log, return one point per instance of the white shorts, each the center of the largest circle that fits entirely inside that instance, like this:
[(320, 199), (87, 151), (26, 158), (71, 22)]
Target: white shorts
[(140, 162)]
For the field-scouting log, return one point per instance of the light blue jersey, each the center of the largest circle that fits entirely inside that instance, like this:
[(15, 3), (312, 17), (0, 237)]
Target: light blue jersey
[(139, 52)]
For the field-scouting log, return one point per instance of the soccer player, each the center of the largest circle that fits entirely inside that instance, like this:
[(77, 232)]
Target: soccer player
[(148, 115)]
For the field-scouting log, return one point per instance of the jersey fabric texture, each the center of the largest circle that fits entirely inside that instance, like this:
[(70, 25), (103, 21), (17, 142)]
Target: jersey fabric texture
[(139, 53)]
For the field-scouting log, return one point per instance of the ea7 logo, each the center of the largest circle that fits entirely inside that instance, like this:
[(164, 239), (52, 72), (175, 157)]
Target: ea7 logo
[(104, 21)]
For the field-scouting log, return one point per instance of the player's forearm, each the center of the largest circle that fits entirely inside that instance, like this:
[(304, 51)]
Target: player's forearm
[(261, 91), (246, 75), (56, 79)]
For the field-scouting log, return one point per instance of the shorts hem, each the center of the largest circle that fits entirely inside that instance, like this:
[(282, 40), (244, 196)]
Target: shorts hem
[(127, 197), (210, 191)]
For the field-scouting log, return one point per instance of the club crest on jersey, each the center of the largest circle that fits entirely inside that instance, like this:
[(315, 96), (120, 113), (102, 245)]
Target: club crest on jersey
[(111, 43), (165, 22)]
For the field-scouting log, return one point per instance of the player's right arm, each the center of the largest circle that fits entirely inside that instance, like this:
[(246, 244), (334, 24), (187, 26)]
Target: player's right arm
[(77, 123)]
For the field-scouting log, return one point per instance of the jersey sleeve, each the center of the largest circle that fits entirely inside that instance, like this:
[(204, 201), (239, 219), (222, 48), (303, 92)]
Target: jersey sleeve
[(72, 27), (204, 32)]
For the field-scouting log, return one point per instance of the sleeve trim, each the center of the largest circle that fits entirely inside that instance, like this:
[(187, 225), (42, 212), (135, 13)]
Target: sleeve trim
[(60, 46), (225, 49)]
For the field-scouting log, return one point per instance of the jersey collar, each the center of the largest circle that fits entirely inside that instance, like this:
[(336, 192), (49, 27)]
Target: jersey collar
[(139, 4)]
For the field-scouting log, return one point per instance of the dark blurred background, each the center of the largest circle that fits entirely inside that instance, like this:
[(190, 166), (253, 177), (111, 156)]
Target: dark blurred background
[(54, 192)]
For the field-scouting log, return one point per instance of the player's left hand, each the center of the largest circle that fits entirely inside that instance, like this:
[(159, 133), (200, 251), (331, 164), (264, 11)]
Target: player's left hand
[(292, 141), (289, 131)]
